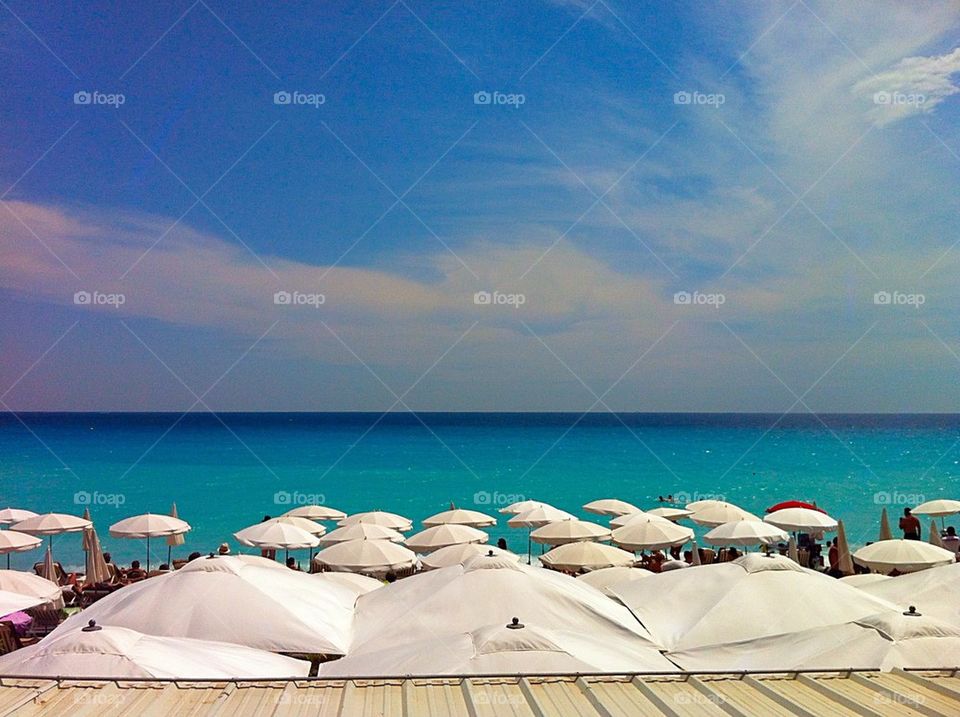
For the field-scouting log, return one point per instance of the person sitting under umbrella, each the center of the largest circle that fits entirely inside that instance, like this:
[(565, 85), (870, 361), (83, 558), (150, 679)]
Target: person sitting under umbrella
[(135, 572)]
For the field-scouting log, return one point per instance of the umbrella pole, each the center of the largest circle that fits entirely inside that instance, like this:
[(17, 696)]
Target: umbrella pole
[(529, 548), (8, 561), (169, 551), (148, 553)]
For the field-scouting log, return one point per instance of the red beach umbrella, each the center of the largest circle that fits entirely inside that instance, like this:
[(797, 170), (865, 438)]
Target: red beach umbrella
[(793, 504)]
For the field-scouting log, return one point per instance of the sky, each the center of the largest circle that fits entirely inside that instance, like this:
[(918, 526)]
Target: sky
[(540, 206)]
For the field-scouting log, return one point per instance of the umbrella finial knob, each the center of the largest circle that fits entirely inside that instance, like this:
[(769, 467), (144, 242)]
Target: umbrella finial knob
[(490, 553), (515, 624), (912, 612), (92, 626)]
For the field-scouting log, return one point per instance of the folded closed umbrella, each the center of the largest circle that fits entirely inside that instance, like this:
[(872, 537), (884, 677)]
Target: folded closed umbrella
[(369, 557), (802, 520), (379, 517), (586, 555), (317, 512), (792, 551), (745, 533), (96, 566), (935, 535), (175, 539), (15, 515), (651, 533), (720, 513), (459, 554), (569, 531), (361, 531), (844, 559), (441, 536), (13, 541), (885, 532), (110, 652), (460, 516), (610, 506), (903, 556)]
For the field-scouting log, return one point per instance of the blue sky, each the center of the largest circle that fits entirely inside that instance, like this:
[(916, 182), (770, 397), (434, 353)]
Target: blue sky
[(782, 163)]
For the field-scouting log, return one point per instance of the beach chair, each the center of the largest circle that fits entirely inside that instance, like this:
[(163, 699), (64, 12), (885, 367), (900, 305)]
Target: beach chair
[(45, 621), (9, 640)]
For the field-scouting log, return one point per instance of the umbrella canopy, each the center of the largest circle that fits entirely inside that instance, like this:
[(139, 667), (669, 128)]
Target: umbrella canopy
[(673, 514), (117, 652), (536, 517), (459, 554), (369, 557), (647, 532), (379, 517), (720, 513), (886, 641), (610, 506), (522, 506), (844, 559), (885, 532), (361, 531), (904, 556), (13, 541), (15, 515), (490, 590), (745, 532), (701, 504), (858, 581), (606, 578), (360, 584), (17, 581), (14, 602), (751, 597), (934, 591), (277, 534), (585, 555), (316, 512), (459, 516), (240, 599), (96, 570), (624, 519), (935, 535), (441, 536), (793, 504), (510, 647), (148, 525), (569, 531), (938, 508), (802, 520), (51, 524)]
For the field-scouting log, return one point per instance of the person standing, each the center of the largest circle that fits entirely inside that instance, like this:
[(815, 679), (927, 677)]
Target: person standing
[(910, 525)]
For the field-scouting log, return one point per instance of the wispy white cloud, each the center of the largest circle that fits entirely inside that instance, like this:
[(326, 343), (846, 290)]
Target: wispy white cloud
[(914, 85)]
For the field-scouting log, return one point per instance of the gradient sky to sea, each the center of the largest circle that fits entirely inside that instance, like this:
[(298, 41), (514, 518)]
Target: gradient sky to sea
[(226, 472)]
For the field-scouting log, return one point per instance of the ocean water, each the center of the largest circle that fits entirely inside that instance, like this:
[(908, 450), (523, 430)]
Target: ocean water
[(227, 472)]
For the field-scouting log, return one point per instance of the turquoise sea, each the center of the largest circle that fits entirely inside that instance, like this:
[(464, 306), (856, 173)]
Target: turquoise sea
[(226, 472)]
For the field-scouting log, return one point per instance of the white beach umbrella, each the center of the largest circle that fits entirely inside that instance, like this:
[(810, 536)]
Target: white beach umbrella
[(904, 556), (441, 536), (720, 513), (888, 640), (360, 584), (311, 526), (510, 647), (459, 554), (701, 504), (651, 533), (569, 531), (938, 508), (460, 516), (361, 531), (149, 525), (368, 557), (17, 581), (539, 516), (241, 599), (316, 512), (379, 517), (863, 579), (522, 506), (585, 555), (933, 592), (51, 524), (277, 534), (606, 578), (610, 506), (622, 520), (746, 532), (13, 541), (111, 652), (15, 515), (485, 591), (673, 514), (802, 520), (751, 597)]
